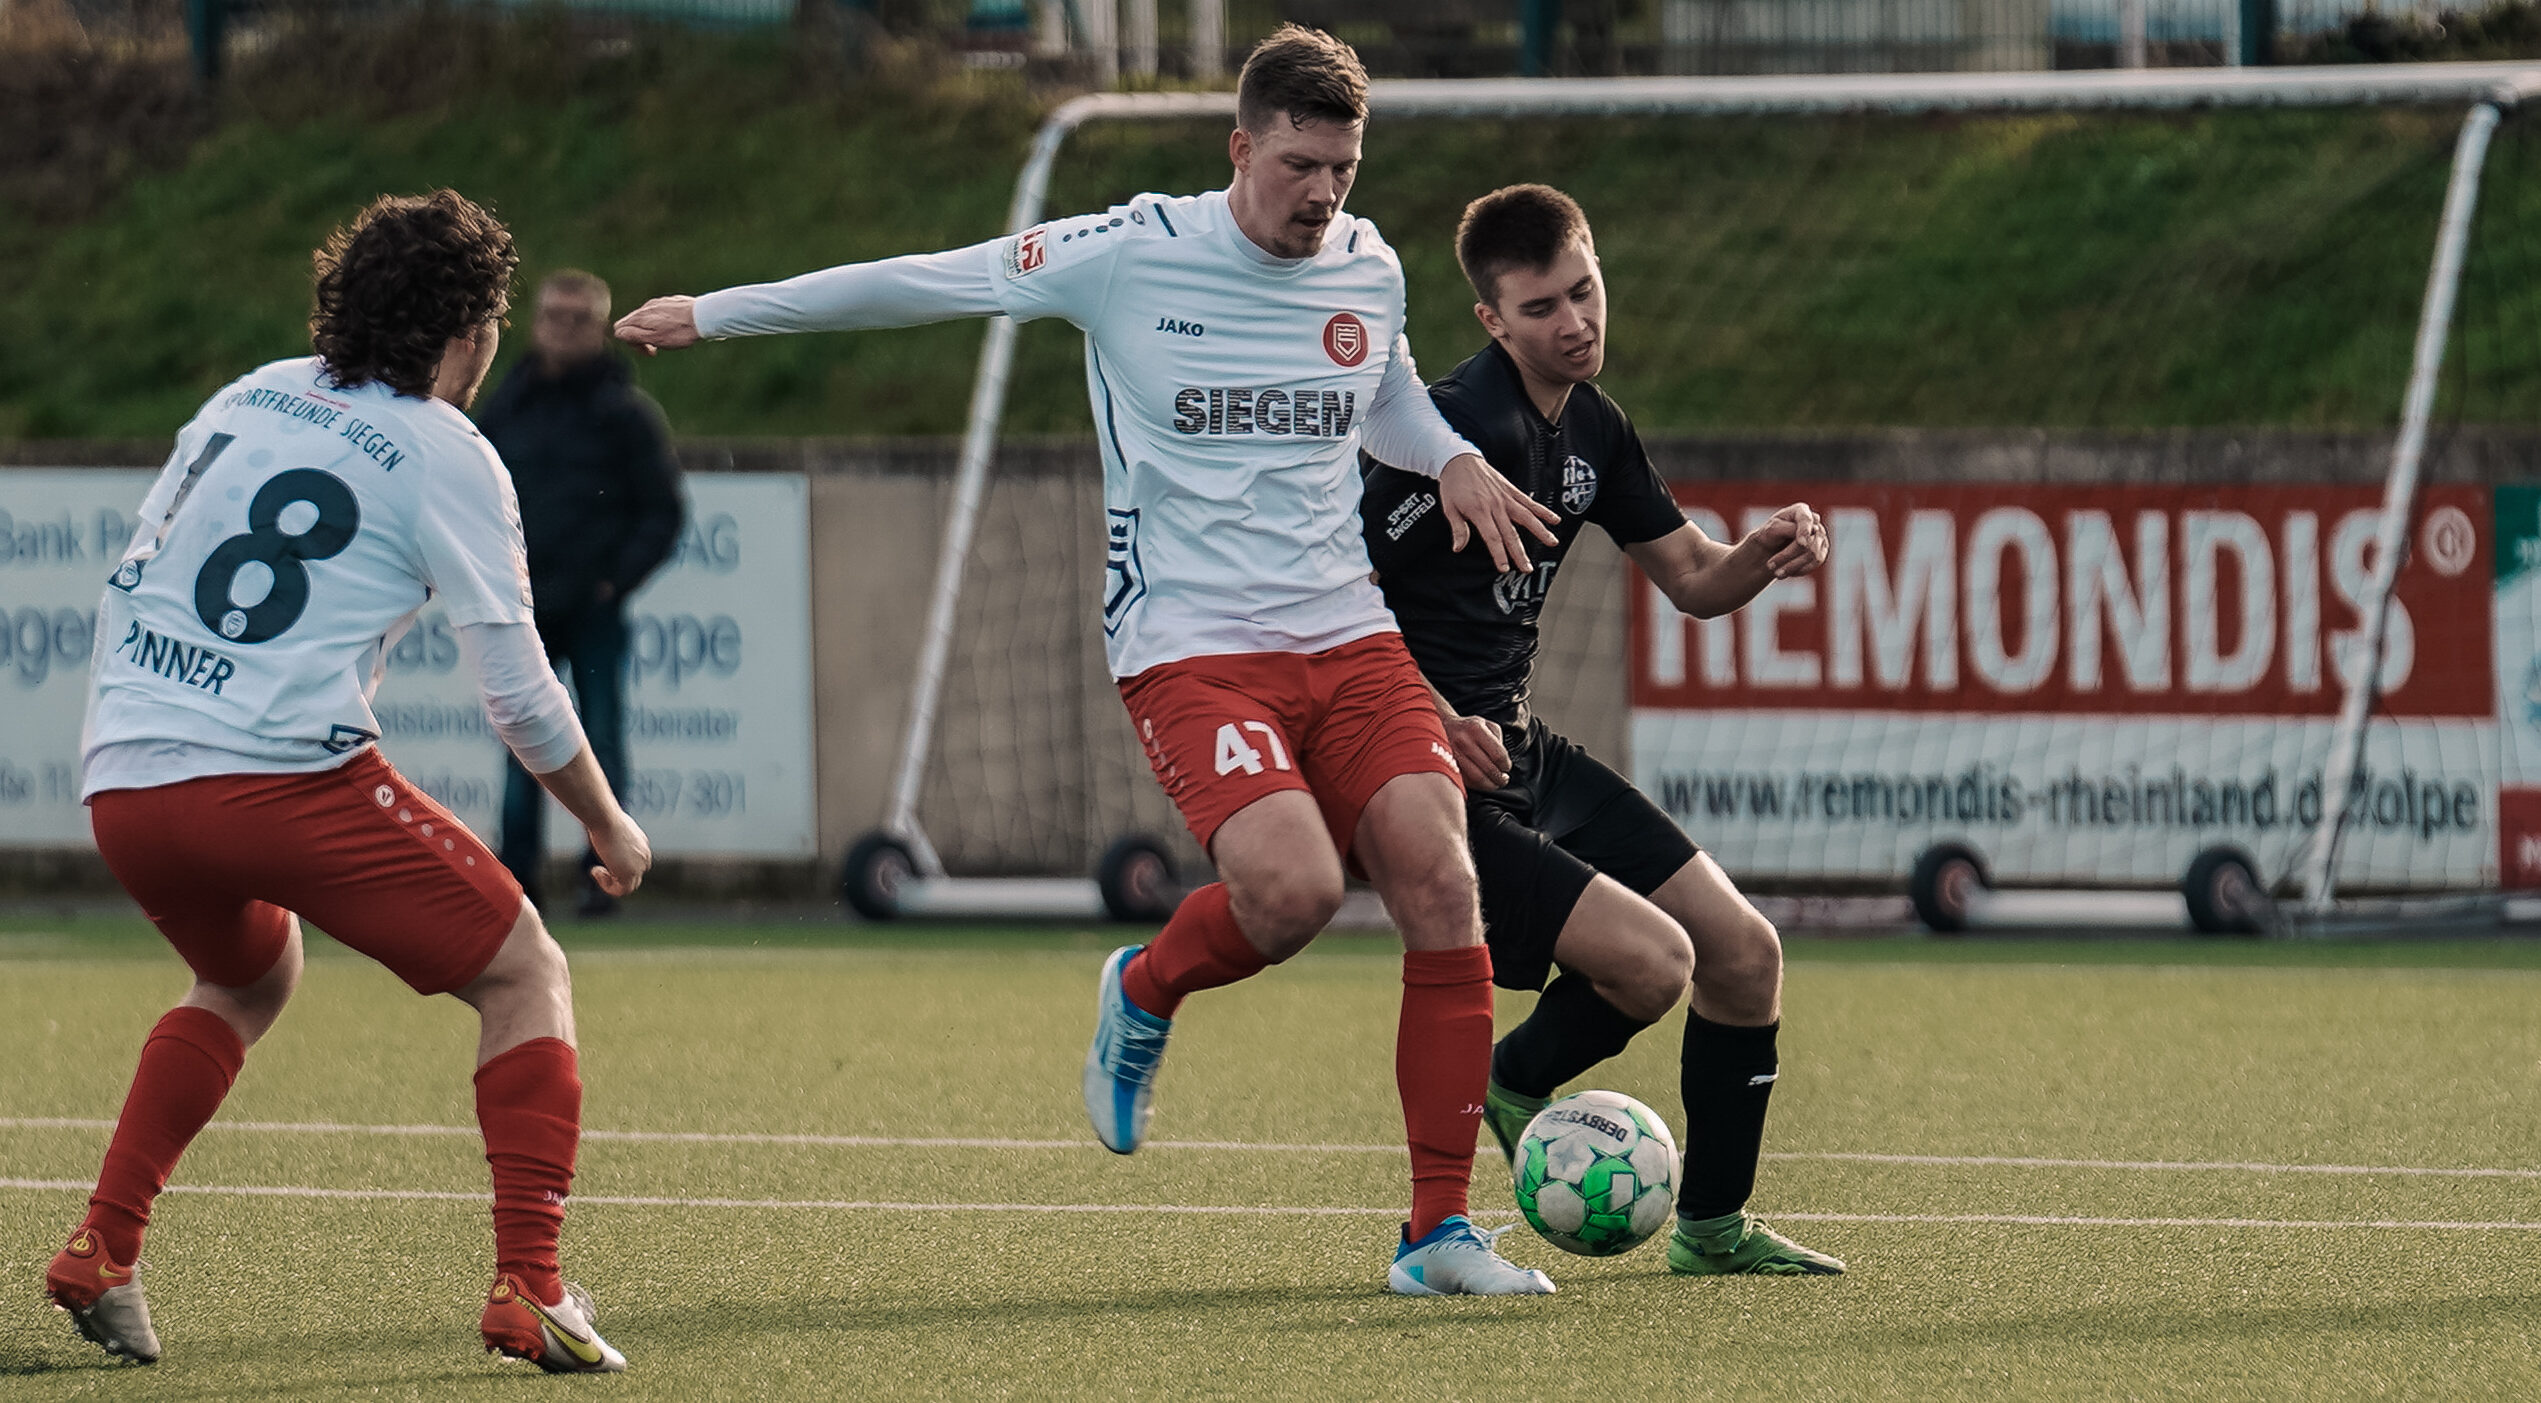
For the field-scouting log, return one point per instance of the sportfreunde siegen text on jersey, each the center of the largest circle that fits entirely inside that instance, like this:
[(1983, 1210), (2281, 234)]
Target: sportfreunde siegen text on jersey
[(285, 548), (1231, 391)]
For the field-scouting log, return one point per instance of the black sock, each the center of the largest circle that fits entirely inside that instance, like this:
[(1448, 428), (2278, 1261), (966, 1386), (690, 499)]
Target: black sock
[(1572, 1029), (1728, 1077)]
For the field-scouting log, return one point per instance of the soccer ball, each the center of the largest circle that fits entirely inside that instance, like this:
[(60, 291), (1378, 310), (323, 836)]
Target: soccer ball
[(1596, 1173)]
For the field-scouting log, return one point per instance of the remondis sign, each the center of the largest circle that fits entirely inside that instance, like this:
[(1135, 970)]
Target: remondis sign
[(2083, 684)]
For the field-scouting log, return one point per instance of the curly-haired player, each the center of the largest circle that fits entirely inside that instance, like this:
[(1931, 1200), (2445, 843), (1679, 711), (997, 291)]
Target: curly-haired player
[(309, 510), (1579, 869)]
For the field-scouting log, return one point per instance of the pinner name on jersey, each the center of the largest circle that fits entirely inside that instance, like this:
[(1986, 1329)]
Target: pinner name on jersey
[(186, 664)]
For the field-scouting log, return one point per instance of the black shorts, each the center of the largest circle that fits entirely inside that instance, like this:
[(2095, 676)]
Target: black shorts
[(1563, 818)]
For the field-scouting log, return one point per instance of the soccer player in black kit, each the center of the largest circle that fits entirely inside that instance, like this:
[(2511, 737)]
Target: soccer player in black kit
[(1580, 870)]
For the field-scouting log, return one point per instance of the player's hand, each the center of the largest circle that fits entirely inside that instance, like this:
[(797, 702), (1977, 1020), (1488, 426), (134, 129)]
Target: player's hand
[(1477, 501), (1479, 753), (625, 856), (1793, 542), (663, 324)]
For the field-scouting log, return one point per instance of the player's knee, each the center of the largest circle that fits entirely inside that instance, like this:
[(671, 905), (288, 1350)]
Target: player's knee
[(1743, 975), (1654, 977), (529, 961), (543, 965), (1284, 915), (1440, 899)]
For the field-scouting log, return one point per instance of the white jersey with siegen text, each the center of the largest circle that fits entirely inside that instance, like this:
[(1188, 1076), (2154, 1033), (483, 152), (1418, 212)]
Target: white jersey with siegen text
[(1231, 393), (282, 552)]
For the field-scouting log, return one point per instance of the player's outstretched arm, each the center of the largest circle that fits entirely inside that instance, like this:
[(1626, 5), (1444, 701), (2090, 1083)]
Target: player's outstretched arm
[(663, 324), (1707, 579), (910, 290)]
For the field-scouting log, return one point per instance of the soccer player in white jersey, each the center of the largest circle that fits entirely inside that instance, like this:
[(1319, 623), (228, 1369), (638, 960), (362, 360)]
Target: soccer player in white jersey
[(1240, 347), (230, 770)]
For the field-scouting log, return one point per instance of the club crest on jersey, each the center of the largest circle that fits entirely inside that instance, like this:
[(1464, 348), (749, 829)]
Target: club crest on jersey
[(1579, 484), (1026, 253), (1345, 339)]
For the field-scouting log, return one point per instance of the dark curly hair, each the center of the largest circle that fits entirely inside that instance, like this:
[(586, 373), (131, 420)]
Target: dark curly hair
[(404, 279)]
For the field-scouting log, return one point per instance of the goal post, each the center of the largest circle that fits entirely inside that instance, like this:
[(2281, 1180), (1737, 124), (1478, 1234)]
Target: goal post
[(2481, 90)]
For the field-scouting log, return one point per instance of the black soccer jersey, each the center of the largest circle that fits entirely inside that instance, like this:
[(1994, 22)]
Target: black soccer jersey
[(1471, 626)]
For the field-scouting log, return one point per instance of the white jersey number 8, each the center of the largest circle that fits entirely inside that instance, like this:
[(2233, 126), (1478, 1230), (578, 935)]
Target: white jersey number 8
[(285, 554)]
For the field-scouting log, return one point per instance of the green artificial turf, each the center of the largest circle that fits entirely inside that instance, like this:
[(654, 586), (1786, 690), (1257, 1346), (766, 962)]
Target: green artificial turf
[(2056, 1247)]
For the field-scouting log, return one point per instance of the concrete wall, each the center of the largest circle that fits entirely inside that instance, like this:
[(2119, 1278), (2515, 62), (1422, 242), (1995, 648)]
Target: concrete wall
[(1034, 767)]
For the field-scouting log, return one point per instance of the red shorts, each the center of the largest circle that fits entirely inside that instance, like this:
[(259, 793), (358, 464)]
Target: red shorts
[(1225, 731), (219, 863)]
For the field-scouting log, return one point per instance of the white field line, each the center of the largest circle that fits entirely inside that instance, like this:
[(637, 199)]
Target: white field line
[(843, 1205), (705, 1137)]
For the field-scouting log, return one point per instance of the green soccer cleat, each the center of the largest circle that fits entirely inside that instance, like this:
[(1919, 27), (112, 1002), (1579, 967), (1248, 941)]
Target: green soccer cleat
[(1507, 1113), (1740, 1246)]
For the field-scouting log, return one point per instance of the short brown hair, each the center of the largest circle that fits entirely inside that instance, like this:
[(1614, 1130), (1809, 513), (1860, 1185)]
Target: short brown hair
[(574, 282), (1513, 227), (1304, 73), (409, 275)]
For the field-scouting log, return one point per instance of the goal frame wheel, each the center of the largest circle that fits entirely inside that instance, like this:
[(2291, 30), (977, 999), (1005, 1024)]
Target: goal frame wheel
[(1137, 878), (870, 878), (2224, 894), (1946, 878)]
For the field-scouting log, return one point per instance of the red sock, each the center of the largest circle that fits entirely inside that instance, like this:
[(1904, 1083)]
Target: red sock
[(529, 1104), (187, 1065), (1442, 1062), (1200, 948)]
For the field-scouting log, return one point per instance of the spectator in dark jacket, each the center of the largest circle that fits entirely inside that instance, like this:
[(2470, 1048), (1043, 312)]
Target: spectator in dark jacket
[(591, 459)]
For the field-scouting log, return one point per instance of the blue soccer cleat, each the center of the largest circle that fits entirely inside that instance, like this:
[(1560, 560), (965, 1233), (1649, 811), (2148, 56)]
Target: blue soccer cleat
[(1120, 1067), (1459, 1259)]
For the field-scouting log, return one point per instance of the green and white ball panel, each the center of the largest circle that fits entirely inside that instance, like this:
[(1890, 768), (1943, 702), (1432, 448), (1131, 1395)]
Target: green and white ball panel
[(1597, 1173)]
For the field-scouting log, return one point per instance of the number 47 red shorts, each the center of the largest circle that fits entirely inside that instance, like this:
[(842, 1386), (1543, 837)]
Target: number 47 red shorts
[(1225, 731)]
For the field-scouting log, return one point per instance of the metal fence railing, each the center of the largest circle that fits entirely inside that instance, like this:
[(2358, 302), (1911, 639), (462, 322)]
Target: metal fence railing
[(1101, 41)]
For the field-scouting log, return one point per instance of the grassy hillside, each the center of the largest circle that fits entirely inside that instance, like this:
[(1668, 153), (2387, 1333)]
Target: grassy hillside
[(2198, 269)]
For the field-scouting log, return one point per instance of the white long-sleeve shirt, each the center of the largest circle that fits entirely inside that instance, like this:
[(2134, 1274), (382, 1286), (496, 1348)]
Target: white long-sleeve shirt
[(1232, 392)]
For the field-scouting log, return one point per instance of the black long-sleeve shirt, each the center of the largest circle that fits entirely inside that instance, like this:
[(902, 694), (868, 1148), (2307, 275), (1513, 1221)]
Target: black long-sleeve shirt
[(590, 457)]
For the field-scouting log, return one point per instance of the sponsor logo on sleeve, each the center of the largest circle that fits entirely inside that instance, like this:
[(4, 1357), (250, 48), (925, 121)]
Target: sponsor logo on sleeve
[(1026, 252), (1345, 339)]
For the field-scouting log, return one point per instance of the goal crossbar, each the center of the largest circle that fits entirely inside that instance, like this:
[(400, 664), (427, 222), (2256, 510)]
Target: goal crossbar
[(2483, 87)]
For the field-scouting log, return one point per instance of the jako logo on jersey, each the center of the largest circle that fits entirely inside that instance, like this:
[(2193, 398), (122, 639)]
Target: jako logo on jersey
[(1345, 339), (1242, 410), (1026, 253), (1579, 484), (1181, 328)]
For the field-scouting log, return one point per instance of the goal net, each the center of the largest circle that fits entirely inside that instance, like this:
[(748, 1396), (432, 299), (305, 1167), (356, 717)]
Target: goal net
[(2100, 381)]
